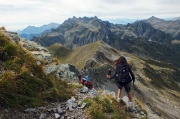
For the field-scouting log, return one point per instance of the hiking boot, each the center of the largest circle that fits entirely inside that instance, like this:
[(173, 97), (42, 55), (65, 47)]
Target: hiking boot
[(119, 99), (130, 104)]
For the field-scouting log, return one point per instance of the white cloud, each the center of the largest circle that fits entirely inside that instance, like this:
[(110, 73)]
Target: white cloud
[(17, 14)]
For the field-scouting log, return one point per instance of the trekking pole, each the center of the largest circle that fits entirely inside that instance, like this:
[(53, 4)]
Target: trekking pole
[(109, 72)]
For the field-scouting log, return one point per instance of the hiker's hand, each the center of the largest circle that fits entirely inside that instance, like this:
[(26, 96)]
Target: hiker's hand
[(107, 76)]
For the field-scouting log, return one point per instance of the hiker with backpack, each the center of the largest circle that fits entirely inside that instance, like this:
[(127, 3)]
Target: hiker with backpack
[(123, 76), (85, 81)]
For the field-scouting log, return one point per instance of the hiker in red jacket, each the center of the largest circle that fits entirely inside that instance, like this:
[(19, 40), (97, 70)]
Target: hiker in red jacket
[(85, 81)]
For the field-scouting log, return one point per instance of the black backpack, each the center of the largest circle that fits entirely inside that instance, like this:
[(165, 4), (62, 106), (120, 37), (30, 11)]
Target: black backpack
[(123, 73)]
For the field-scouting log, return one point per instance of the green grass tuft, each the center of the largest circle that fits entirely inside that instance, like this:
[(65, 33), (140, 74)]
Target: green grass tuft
[(104, 108)]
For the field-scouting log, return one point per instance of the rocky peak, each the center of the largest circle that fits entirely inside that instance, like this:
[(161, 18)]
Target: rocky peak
[(155, 19), (144, 29), (140, 27)]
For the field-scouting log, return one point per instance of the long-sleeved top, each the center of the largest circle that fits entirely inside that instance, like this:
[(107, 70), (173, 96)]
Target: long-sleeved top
[(130, 71)]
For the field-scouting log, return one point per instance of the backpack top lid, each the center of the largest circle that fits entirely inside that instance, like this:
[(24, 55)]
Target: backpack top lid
[(87, 78)]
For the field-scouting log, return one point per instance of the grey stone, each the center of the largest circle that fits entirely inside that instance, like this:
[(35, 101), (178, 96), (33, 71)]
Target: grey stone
[(137, 115), (74, 105), (42, 116), (79, 103), (56, 115), (42, 108), (70, 104), (83, 105), (30, 110), (62, 117), (49, 110), (50, 117), (38, 62), (54, 110), (59, 110), (142, 113), (6, 111), (73, 99), (84, 90)]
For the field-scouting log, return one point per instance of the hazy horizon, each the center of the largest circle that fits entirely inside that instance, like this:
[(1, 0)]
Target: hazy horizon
[(19, 14)]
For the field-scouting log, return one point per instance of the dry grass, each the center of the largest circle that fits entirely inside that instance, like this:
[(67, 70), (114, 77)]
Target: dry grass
[(78, 56), (104, 107), (24, 82)]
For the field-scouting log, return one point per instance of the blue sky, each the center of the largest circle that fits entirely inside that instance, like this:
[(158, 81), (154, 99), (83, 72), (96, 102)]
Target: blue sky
[(18, 14)]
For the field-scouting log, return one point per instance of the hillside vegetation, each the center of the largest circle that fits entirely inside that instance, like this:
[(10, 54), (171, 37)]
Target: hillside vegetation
[(22, 81), (59, 51), (78, 56)]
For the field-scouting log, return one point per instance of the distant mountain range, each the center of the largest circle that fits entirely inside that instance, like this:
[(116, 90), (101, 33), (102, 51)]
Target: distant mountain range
[(139, 38), (31, 31), (171, 27)]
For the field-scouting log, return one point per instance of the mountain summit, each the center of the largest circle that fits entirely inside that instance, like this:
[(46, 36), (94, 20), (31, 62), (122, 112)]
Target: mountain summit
[(170, 27)]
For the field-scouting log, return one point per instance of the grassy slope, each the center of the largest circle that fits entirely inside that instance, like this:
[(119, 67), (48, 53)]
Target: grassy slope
[(78, 56), (59, 51), (157, 82), (151, 70), (23, 81), (151, 75)]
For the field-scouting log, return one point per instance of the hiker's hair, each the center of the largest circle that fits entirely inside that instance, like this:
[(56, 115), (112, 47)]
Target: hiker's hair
[(79, 76), (120, 60)]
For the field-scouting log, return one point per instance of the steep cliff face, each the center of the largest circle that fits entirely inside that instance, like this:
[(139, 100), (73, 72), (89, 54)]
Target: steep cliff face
[(78, 31)]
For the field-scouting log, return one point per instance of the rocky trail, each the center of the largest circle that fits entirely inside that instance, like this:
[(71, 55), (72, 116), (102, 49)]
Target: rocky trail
[(70, 109), (74, 108)]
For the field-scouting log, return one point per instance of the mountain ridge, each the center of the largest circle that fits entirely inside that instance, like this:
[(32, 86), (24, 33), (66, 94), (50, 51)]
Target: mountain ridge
[(168, 26), (139, 38)]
